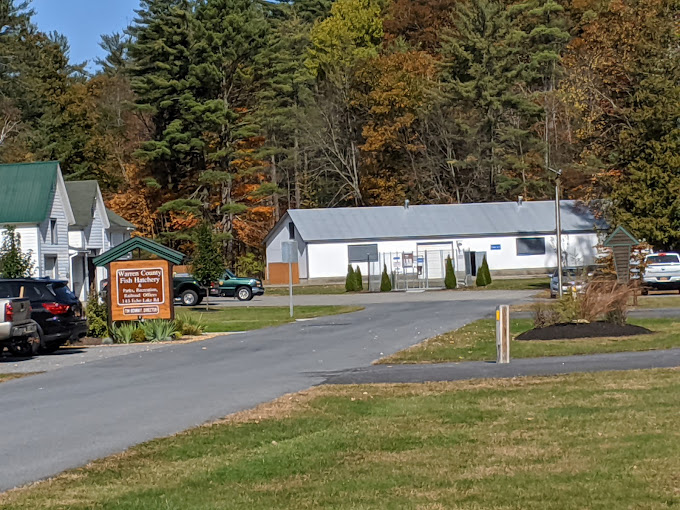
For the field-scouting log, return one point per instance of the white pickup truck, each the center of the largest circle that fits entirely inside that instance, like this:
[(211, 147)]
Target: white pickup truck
[(18, 333), (662, 272)]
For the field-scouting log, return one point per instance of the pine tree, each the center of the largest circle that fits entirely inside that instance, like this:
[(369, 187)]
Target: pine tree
[(350, 281), (483, 275), (483, 76), (13, 262), (450, 277), (359, 279), (385, 282), (208, 263)]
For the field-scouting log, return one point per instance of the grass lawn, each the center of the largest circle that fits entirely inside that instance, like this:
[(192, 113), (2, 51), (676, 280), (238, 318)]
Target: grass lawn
[(477, 342), (665, 301), (518, 284), (222, 320), (598, 441), (306, 290)]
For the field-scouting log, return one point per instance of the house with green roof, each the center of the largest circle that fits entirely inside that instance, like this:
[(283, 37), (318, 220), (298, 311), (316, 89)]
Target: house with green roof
[(64, 225), (33, 198)]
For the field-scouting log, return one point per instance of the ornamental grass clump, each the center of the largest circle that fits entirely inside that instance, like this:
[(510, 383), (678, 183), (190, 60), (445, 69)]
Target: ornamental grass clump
[(159, 330), (124, 333), (189, 325)]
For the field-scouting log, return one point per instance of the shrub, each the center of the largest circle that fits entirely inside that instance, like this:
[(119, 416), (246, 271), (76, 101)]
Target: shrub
[(483, 275), (359, 279), (138, 336), (385, 282), (545, 314), (159, 330), (601, 300), (450, 278), (188, 325), (123, 333), (97, 316), (350, 281)]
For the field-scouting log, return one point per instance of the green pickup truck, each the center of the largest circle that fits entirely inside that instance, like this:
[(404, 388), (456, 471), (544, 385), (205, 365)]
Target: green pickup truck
[(190, 293), (231, 285)]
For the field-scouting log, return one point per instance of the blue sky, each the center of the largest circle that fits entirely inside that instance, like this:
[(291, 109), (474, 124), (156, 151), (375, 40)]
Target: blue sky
[(83, 22)]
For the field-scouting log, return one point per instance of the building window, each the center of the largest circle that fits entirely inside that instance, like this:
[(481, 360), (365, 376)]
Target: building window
[(531, 246), (54, 235), (291, 230)]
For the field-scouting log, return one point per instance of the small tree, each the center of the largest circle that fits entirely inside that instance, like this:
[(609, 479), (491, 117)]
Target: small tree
[(450, 278), (13, 262), (208, 261), (97, 315), (385, 282), (359, 279), (350, 281), (483, 275)]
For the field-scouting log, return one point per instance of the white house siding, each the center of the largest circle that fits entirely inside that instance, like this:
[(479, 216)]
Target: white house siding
[(330, 260), (95, 233), (59, 250), (29, 236)]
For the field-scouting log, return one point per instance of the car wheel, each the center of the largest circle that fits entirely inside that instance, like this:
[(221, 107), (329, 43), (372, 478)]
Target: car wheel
[(50, 348), (244, 294), (22, 348), (644, 292), (189, 298)]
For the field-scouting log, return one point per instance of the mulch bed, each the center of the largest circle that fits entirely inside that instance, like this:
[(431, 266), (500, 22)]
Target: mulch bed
[(87, 341), (572, 331)]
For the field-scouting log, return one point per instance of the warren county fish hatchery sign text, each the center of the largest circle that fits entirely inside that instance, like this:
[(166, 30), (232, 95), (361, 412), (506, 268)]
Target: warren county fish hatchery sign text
[(141, 290)]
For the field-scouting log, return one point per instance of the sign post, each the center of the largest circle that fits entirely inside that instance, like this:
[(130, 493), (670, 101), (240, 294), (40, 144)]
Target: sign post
[(289, 253), (140, 290), (503, 334)]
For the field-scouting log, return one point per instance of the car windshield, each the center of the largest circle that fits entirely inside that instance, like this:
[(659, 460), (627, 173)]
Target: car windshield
[(230, 274), (667, 258), (569, 273)]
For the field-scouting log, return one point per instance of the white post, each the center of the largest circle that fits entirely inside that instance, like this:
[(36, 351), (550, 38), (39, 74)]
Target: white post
[(503, 334), (290, 287)]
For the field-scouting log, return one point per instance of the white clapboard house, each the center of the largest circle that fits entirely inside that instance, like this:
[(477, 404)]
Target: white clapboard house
[(64, 225)]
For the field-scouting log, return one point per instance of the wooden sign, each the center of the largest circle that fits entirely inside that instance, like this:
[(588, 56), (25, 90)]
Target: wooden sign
[(140, 289)]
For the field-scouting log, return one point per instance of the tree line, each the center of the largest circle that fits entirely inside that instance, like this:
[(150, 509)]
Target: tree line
[(233, 111)]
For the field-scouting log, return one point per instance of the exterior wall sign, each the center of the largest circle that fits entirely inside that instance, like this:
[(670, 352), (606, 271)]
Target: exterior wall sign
[(495, 247), (141, 289), (408, 260)]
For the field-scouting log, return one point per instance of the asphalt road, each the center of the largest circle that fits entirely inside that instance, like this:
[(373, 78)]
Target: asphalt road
[(516, 368), (66, 417)]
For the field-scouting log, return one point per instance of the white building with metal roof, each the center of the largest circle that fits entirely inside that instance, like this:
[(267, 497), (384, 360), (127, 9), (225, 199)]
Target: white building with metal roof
[(515, 237)]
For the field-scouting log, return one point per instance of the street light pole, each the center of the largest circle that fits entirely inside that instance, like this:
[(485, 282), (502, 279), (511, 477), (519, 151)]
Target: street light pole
[(558, 230)]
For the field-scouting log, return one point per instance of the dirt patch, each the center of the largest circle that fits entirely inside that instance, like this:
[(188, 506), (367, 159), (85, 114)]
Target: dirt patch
[(85, 342), (572, 331)]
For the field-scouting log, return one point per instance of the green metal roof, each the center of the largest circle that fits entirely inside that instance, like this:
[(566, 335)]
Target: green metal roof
[(621, 237), (119, 221), (139, 243), (27, 191), (83, 198)]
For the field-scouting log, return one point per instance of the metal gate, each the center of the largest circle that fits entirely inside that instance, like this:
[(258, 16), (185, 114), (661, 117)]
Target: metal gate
[(424, 268)]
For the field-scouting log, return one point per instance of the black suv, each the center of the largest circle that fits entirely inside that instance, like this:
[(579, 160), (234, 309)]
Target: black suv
[(55, 308)]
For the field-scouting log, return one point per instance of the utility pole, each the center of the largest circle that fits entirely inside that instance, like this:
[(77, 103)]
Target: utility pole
[(558, 229)]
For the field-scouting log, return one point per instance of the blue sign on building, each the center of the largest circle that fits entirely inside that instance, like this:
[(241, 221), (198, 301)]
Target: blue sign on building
[(495, 246)]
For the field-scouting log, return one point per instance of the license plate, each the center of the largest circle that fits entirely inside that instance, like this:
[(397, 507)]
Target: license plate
[(664, 278)]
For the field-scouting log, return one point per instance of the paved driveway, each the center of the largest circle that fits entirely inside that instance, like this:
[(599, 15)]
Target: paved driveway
[(67, 417)]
